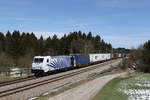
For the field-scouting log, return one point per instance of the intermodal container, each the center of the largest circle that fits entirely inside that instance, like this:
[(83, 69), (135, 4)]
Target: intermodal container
[(81, 59), (99, 57)]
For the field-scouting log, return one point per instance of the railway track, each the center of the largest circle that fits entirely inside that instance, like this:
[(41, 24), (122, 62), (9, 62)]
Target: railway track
[(17, 81), (40, 83), (23, 79), (27, 78)]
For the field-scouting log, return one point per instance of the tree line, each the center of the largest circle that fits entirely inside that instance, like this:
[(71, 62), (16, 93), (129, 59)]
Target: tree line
[(145, 55), (18, 48), (141, 57)]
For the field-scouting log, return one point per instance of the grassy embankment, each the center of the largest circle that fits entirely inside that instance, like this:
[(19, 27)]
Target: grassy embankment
[(92, 77), (136, 87)]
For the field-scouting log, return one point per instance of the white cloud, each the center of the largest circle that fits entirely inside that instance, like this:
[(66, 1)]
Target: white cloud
[(47, 34), (127, 41)]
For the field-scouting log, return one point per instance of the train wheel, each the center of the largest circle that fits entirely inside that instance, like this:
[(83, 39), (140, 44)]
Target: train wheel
[(36, 74)]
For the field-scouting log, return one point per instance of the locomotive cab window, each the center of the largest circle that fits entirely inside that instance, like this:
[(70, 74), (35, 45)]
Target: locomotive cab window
[(38, 60), (47, 60), (95, 57)]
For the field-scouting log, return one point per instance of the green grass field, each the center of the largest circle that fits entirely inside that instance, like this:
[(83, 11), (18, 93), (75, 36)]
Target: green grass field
[(136, 87)]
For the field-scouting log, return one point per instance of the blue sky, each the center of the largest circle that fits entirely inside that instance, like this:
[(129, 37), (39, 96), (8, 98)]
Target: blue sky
[(123, 23)]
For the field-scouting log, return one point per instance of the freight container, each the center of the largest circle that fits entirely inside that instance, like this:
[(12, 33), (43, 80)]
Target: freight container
[(107, 56), (99, 57), (115, 55), (95, 57), (119, 55), (81, 59)]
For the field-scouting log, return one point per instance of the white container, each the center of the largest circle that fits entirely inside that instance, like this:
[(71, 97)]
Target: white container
[(99, 57)]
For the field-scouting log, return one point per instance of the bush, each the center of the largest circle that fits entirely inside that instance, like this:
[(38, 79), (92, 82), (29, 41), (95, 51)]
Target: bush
[(5, 62), (25, 62), (146, 57), (126, 63), (141, 57)]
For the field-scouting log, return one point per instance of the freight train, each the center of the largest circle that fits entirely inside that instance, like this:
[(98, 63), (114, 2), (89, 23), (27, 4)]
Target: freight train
[(45, 64)]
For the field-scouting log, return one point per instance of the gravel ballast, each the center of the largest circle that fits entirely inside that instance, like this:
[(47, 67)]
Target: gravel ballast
[(55, 86), (86, 91)]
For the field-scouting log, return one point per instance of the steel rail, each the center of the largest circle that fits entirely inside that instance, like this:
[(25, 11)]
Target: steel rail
[(40, 83), (16, 81)]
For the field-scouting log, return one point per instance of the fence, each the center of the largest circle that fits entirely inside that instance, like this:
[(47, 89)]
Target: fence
[(16, 72)]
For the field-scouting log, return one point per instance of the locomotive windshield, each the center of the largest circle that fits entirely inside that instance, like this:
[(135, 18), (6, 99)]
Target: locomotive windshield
[(38, 60)]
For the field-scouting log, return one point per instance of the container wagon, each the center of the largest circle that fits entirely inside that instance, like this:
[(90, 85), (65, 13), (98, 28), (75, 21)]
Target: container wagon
[(96, 58), (81, 59)]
